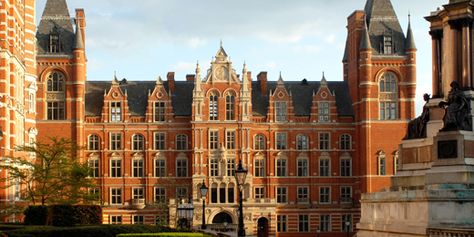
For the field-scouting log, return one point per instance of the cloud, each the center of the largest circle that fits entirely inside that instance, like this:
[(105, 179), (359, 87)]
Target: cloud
[(307, 49), (196, 42), (184, 67)]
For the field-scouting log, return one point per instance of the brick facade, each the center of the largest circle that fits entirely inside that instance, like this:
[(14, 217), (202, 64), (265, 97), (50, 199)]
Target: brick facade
[(311, 147)]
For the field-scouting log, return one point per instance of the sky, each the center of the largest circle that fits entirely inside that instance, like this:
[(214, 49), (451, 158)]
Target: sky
[(144, 39)]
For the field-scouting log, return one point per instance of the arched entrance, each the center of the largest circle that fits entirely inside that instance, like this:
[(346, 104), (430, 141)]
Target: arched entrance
[(222, 218), (262, 227)]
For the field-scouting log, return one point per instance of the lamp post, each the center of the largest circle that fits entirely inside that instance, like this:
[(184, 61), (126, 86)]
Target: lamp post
[(240, 175), (317, 232), (204, 190), (348, 223), (186, 212)]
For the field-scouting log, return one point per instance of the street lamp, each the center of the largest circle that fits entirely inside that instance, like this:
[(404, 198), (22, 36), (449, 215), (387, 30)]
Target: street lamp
[(240, 175), (204, 190), (186, 213), (348, 223), (317, 232)]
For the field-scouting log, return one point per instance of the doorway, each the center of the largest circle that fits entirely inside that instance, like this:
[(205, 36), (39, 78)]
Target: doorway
[(262, 227)]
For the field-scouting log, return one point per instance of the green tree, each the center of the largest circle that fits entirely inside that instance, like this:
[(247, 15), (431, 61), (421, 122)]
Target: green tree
[(53, 176)]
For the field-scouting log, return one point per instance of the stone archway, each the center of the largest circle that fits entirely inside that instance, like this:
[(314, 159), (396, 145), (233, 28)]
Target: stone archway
[(222, 217), (262, 227)]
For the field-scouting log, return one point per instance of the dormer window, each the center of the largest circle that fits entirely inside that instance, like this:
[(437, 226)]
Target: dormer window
[(281, 111), (54, 43), (160, 110), (323, 112), (115, 112), (387, 44)]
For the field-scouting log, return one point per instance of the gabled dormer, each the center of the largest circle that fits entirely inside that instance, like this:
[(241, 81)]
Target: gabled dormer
[(280, 103), (115, 108), (159, 109), (323, 109), (221, 70)]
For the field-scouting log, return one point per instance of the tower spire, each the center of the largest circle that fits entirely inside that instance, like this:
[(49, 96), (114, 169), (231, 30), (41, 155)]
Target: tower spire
[(410, 40), (365, 40)]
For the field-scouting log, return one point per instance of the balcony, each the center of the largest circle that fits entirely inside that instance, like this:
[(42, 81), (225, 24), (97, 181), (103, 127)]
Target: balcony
[(138, 203)]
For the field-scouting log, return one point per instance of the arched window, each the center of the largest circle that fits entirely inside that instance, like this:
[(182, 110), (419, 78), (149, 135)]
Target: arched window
[(302, 142), (55, 82), (259, 167), (259, 142), (55, 96), (396, 162), (381, 163), (281, 167), (345, 142), (181, 142), (230, 106), (388, 96), (213, 106), (93, 142), (138, 142)]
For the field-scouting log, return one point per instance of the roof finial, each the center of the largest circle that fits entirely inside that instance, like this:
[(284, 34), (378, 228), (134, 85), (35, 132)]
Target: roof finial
[(324, 76), (409, 17), (221, 43)]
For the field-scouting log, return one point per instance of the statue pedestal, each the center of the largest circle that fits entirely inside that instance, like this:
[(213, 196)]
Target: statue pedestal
[(432, 193)]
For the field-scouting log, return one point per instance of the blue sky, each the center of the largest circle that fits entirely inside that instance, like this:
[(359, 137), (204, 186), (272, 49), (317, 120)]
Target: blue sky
[(144, 39)]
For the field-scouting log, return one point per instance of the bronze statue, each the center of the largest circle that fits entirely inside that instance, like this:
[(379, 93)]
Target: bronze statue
[(417, 126), (457, 108)]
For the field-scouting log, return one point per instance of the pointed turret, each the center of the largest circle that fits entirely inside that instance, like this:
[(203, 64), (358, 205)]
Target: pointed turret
[(56, 15), (280, 81), (79, 42), (324, 82), (365, 39), (197, 83), (244, 77), (410, 40)]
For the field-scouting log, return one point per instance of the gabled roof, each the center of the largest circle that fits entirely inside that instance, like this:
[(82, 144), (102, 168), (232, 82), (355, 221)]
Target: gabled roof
[(137, 92), (55, 18), (382, 20), (302, 94), (181, 99)]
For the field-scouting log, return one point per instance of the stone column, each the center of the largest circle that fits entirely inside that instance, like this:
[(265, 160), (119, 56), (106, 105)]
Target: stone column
[(466, 55)]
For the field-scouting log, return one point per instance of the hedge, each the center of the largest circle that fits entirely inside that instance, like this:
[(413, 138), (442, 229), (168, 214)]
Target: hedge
[(63, 215), (84, 231), (164, 235)]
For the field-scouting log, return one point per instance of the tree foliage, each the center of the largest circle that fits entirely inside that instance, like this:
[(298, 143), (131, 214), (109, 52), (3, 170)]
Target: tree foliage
[(54, 176)]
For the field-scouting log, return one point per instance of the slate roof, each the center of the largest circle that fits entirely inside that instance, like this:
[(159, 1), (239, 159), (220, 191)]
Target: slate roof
[(182, 97), (381, 19), (55, 18)]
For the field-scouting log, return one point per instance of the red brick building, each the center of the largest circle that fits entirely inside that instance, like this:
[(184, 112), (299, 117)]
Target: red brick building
[(311, 146), (18, 86)]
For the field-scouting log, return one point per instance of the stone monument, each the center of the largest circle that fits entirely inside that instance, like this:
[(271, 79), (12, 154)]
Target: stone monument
[(432, 193)]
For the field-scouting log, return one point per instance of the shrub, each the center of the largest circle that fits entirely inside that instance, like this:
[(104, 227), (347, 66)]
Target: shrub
[(36, 215), (164, 235), (88, 214), (84, 231), (61, 215)]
